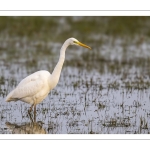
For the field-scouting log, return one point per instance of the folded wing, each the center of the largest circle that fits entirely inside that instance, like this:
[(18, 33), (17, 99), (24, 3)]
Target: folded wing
[(28, 87)]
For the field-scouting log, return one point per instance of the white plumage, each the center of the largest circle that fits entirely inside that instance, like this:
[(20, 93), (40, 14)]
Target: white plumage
[(34, 88)]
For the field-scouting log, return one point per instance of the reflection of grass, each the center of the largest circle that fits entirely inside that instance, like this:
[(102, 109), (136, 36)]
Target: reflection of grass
[(122, 68), (115, 123)]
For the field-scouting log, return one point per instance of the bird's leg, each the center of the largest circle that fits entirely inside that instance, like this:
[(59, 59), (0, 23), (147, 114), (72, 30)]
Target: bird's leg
[(30, 117), (34, 109), (34, 112), (29, 111)]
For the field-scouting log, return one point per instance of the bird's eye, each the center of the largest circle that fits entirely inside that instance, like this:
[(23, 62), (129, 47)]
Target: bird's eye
[(74, 42)]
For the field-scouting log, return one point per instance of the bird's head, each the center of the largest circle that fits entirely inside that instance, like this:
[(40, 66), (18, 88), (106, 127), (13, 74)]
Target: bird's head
[(74, 41)]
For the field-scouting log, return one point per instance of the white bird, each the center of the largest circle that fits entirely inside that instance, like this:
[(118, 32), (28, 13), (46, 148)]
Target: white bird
[(34, 88)]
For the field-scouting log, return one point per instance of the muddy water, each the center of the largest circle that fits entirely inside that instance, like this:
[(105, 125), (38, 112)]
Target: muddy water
[(79, 105), (104, 91)]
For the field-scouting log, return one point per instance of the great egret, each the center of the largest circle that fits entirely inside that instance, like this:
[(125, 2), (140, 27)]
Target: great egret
[(34, 88)]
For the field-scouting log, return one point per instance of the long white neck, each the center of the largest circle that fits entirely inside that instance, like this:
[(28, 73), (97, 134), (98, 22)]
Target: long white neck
[(57, 70)]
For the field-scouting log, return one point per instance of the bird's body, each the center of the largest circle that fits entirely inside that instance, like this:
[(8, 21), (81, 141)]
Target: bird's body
[(34, 88)]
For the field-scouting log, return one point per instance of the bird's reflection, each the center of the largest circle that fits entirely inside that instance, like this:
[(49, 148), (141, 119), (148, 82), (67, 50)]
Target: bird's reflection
[(31, 127)]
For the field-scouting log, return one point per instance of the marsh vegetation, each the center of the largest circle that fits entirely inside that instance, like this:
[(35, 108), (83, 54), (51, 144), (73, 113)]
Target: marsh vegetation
[(104, 91)]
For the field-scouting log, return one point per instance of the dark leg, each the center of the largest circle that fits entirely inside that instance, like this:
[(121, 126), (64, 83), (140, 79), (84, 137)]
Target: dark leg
[(30, 117), (35, 113), (29, 111)]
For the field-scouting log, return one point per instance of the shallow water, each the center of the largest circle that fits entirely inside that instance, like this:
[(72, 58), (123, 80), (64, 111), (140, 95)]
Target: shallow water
[(104, 91), (79, 105)]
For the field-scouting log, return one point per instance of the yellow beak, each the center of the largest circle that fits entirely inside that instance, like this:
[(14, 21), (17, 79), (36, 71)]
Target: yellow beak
[(83, 45)]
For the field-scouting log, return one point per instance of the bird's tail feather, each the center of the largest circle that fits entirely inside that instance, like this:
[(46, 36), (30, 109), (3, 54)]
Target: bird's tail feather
[(9, 97)]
